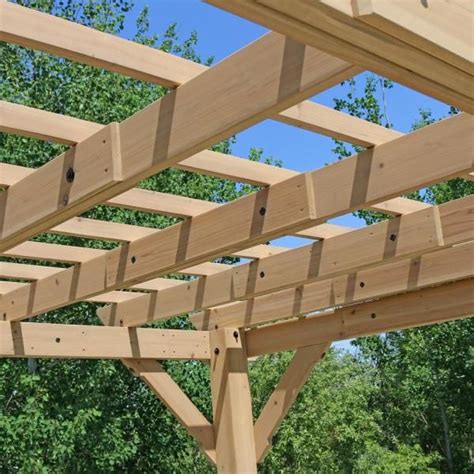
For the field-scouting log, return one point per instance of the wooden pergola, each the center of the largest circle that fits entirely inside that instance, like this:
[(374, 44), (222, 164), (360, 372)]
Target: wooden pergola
[(411, 270)]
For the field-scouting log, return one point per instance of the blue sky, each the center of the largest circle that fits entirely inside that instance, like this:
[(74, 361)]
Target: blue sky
[(221, 34)]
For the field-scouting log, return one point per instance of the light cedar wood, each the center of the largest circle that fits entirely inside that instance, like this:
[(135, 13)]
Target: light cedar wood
[(26, 272), (413, 234), (441, 28), (420, 308), (50, 195), (371, 176), (96, 342), (170, 130), (231, 402), (330, 26), (207, 162), (436, 268), (284, 395), (33, 29), (168, 391), (308, 115), (320, 119)]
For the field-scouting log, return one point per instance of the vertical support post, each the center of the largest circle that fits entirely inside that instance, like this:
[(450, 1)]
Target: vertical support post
[(232, 404)]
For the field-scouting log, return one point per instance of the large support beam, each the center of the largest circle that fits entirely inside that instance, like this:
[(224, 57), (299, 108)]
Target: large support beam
[(284, 395), (436, 268), (371, 176), (231, 402), (95, 342), (420, 308), (336, 27), (412, 234), (168, 131), (169, 392)]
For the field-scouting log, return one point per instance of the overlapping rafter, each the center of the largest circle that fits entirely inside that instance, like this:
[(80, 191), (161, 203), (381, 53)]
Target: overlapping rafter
[(412, 270)]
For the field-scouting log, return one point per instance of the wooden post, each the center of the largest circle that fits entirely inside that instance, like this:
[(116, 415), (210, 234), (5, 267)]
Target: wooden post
[(232, 405)]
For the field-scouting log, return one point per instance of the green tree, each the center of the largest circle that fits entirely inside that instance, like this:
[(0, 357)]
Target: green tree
[(425, 374)]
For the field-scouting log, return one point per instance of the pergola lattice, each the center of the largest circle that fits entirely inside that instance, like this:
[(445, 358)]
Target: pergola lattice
[(414, 269)]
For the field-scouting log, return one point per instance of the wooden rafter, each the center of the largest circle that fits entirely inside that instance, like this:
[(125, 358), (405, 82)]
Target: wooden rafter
[(414, 234), (357, 181), (411, 274)]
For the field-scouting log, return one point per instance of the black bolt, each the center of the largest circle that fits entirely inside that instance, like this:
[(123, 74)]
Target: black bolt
[(70, 175), (58, 339), (133, 259), (216, 350), (393, 237), (262, 211), (362, 284), (262, 274), (236, 334), (373, 315)]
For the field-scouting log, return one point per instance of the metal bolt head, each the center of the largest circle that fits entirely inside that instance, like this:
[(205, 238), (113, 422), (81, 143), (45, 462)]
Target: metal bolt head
[(393, 237), (262, 211), (70, 175), (216, 350)]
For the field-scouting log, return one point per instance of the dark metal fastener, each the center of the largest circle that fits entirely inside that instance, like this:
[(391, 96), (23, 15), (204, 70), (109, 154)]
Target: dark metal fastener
[(262, 211), (70, 175)]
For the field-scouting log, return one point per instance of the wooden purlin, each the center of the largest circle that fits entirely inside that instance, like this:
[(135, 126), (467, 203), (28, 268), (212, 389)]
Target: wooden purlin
[(342, 187), (410, 235), (336, 27)]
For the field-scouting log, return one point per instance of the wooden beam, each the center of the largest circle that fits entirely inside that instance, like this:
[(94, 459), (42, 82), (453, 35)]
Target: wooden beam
[(76, 42), (441, 28), (419, 308), (54, 252), (206, 162), (231, 402), (95, 342), (436, 268), (168, 131), (284, 395), (172, 396), (330, 25), (26, 272), (372, 176), (320, 119), (399, 238)]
